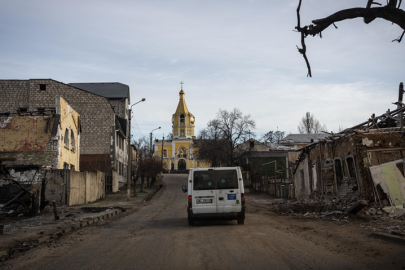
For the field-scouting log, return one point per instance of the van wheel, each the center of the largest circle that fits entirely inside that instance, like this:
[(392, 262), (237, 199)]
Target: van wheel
[(241, 221), (191, 222)]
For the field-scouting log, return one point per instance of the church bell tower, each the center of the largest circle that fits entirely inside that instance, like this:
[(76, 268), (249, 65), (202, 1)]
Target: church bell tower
[(183, 120)]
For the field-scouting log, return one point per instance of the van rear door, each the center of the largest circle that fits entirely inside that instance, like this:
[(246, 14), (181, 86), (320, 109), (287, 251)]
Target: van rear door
[(228, 191), (203, 193)]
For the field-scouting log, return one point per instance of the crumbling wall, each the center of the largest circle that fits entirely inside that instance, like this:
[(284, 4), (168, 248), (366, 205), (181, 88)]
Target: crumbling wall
[(301, 181), (56, 184), (342, 164)]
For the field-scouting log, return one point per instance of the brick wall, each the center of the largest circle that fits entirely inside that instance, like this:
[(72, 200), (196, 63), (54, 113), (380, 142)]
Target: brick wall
[(46, 158), (96, 114)]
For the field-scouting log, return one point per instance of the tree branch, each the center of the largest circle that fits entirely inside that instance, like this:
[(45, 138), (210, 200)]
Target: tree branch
[(302, 50), (390, 12), (394, 15), (399, 38)]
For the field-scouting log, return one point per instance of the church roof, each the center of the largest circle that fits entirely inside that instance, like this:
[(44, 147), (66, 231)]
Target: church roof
[(182, 107)]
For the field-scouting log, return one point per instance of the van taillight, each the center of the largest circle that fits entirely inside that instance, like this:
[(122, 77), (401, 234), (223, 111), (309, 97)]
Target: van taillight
[(190, 204), (242, 196)]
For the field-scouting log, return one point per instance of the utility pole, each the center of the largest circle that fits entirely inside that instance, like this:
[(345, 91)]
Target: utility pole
[(151, 151), (129, 167)]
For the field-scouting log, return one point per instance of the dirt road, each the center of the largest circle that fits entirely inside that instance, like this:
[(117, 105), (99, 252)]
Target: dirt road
[(158, 237)]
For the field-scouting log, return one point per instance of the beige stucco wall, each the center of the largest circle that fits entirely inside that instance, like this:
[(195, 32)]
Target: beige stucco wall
[(69, 120), (86, 187)]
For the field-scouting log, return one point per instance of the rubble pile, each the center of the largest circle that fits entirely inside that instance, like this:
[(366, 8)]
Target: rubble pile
[(335, 209)]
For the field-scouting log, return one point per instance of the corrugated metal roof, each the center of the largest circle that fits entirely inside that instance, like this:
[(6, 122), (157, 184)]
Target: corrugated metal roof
[(302, 138), (108, 90)]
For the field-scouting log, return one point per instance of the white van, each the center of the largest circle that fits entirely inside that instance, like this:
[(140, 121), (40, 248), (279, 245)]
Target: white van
[(215, 193)]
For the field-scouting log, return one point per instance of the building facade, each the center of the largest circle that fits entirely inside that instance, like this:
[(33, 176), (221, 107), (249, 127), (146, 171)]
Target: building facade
[(118, 95), (178, 153), (48, 138), (97, 117)]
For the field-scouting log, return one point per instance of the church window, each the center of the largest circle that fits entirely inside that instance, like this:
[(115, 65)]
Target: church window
[(182, 132), (164, 153), (182, 119)]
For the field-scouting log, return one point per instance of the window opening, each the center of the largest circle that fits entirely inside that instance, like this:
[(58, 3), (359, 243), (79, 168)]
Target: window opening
[(351, 167), (65, 166), (400, 167), (338, 171), (66, 139), (164, 153), (182, 119), (72, 141), (42, 87)]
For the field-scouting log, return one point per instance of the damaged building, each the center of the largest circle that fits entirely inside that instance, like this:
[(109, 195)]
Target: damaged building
[(33, 142), (103, 131), (365, 161)]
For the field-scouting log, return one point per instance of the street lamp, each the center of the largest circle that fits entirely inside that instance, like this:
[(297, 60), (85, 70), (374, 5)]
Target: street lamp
[(129, 167), (151, 152)]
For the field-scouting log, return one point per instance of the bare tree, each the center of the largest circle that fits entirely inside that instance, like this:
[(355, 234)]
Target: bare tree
[(211, 144), (310, 125), (390, 12), (273, 136), (223, 134)]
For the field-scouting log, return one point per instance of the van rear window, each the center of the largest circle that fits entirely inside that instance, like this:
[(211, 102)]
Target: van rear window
[(215, 179), (204, 180)]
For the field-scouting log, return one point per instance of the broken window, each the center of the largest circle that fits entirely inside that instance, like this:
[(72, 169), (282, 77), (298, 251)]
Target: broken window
[(72, 141), (352, 173), (400, 167), (66, 138), (338, 168)]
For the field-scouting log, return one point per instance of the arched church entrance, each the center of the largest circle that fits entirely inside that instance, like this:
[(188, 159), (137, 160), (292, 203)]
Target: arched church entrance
[(182, 164)]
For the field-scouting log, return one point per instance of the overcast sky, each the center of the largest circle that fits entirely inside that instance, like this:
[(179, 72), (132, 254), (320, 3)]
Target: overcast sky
[(228, 53)]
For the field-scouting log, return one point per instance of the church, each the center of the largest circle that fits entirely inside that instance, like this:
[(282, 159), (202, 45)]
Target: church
[(178, 152)]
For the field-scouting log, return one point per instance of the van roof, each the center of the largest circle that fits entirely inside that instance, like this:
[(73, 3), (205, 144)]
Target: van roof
[(214, 168)]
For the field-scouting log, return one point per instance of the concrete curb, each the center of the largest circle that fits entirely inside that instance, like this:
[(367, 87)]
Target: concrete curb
[(389, 237), (5, 254), (60, 231)]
